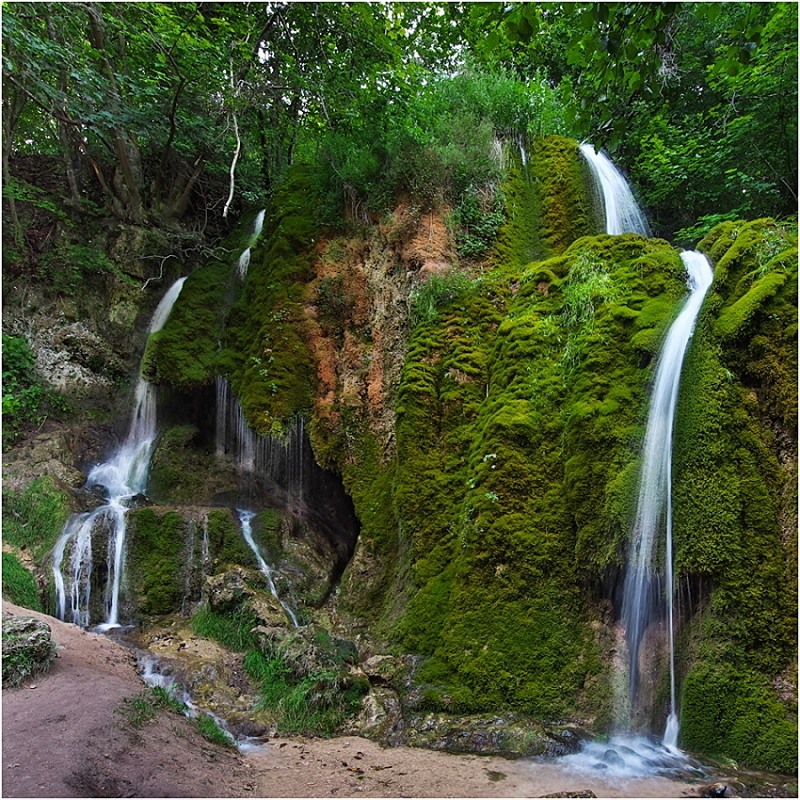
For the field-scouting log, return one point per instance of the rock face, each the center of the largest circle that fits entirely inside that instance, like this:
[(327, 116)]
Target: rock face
[(28, 649)]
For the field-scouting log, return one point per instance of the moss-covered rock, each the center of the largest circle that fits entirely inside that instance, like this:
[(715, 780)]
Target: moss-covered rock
[(548, 203), (28, 649), (735, 499)]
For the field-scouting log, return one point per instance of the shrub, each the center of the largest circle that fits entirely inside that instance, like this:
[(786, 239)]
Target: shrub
[(26, 400)]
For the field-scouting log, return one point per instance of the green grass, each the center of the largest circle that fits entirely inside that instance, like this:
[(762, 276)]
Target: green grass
[(230, 630), (19, 585), (143, 708), (313, 702), (34, 517)]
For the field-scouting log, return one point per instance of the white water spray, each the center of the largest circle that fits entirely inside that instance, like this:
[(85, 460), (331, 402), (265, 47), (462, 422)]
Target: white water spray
[(245, 520), (622, 214), (654, 506), (123, 476), (244, 258)]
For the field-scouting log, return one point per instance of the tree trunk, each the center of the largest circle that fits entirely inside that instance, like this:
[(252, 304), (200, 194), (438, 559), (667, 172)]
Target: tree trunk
[(128, 156)]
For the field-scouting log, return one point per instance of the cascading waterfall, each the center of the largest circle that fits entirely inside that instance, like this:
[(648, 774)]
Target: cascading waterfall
[(244, 258), (245, 521), (122, 477), (622, 214), (642, 590)]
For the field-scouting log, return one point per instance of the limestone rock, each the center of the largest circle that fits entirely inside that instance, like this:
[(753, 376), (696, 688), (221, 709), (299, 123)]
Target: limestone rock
[(28, 649), (380, 717), (380, 669)]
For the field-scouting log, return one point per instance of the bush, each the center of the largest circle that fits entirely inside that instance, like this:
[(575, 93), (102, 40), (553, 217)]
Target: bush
[(26, 400), (436, 292), (305, 681), (34, 517)]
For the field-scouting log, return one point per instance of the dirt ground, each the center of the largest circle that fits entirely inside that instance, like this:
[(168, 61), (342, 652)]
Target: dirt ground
[(64, 736)]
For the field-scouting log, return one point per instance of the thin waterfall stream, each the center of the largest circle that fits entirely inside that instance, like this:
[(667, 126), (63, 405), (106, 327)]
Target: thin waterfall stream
[(122, 477), (245, 520), (641, 592), (647, 591), (244, 259)]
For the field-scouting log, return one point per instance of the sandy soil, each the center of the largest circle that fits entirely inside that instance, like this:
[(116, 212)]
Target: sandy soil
[(352, 767), (64, 736)]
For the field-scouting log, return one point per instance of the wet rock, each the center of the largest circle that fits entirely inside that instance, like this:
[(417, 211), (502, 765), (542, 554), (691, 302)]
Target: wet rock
[(232, 588), (613, 758), (249, 729), (28, 649), (380, 717), (564, 743), (380, 669), (509, 736), (713, 790), (137, 501), (578, 793)]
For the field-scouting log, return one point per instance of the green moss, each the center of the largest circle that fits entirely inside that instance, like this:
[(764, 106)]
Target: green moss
[(733, 713), (184, 470), (156, 560), (734, 496), (515, 421), (226, 546), (266, 355), (185, 352)]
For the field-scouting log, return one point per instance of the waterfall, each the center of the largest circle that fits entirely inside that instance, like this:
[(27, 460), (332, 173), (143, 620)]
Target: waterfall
[(122, 477), (622, 214), (642, 590), (244, 258), (245, 520), (281, 459)]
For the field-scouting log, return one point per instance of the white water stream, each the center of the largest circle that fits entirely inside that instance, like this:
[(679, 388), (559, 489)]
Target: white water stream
[(244, 258), (641, 595), (622, 214), (122, 477), (245, 520)]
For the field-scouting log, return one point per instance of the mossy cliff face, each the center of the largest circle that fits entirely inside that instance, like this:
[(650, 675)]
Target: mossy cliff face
[(548, 203), (736, 501), (486, 421), (518, 409)]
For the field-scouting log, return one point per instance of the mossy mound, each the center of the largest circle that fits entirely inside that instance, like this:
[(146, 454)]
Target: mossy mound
[(516, 416), (266, 356), (548, 203), (735, 499), (185, 352)]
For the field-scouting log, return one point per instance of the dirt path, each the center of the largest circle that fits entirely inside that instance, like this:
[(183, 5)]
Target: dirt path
[(64, 736)]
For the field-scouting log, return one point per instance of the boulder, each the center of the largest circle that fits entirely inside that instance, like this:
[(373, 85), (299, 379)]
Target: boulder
[(28, 649)]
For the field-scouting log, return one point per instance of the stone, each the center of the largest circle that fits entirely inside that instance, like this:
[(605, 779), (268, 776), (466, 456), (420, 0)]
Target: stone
[(380, 669), (713, 790), (577, 793), (613, 758), (28, 648)]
